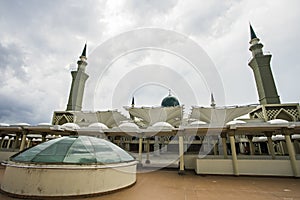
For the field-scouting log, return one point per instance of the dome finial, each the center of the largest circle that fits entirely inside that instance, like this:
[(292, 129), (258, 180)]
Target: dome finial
[(170, 92)]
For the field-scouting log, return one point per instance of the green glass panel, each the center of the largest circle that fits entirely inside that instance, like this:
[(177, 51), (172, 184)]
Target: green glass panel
[(29, 154), (74, 150), (80, 152), (56, 152)]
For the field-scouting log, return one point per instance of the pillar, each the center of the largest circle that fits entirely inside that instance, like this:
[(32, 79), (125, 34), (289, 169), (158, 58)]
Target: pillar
[(259, 148), (186, 143), (140, 149), (234, 156), (215, 147), (8, 143), (44, 137), (156, 146), (127, 143), (29, 142), (145, 145), (22, 146), (224, 146), (292, 156), (297, 146), (281, 148), (181, 155), (163, 146), (2, 141), (251, 145), (148, 151), (16, 141), (242, 147), (270, 145)]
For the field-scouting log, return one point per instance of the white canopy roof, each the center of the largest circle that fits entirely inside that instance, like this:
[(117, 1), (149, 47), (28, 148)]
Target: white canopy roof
[(150, 115), (110, 118), (219, 116)]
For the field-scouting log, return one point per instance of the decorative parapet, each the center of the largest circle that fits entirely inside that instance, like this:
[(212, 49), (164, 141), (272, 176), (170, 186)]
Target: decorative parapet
[(60, 118), (289, 112)]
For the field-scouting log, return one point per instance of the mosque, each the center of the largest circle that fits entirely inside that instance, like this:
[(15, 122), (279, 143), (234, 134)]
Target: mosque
[(211, 140), (211, 131)]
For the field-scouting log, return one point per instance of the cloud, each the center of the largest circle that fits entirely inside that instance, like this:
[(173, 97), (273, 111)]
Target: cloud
[(12, 61), (40, 40)]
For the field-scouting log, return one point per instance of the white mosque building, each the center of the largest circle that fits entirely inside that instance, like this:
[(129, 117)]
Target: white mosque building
[(210, 140)]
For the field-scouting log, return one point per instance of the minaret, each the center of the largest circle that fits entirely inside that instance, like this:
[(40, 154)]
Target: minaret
[(79, 78), (132, 102), (260, 64), (212, 100)]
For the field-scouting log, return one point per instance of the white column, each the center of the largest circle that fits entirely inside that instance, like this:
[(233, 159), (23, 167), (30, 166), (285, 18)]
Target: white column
[(233, 152), (2, 142), (22, 147), (270, 145), (148, 151), (186, 143), (29, 142), (292, 156), (259, 148), (127, 144), (8, 143), (215, 147), (251, 145), (224, 146), (44, 137), (140, 149), (297, 146), (16, 142), (156, 146), (281, 148), (181, 154)]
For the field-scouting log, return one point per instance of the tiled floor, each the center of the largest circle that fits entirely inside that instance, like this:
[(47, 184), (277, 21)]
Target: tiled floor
[(167, 184)]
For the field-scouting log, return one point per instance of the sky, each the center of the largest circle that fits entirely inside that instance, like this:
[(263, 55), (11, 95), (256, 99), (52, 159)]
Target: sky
[(141, 48)]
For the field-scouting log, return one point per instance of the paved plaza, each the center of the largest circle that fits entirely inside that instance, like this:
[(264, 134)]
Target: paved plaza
[(166, 184)]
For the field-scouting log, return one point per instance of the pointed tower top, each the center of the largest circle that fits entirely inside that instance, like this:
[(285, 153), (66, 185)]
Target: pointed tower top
[(83, 54), (212, 100), (252, 33), (132, 102)]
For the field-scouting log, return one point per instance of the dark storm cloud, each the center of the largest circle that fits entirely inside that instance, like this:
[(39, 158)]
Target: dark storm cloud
[(13, 110)]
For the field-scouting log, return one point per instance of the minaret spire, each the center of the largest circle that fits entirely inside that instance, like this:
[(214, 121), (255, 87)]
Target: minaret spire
[(79, 78), (170, 92), (252, 33), (260, 64), (83, 54), (212, 100), (132, 102)]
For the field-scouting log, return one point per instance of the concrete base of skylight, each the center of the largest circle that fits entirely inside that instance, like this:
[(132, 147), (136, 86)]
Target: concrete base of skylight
[(31, 180)]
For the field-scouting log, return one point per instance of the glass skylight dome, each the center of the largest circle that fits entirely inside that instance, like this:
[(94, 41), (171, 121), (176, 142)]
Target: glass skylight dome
[(74, 150)]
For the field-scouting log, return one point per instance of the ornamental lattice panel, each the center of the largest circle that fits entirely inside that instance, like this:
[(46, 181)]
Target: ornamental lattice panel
[(62, 118)]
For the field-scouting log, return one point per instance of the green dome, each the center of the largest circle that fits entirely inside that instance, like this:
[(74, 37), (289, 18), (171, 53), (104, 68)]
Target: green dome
[(74, 150), (170, 101)]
